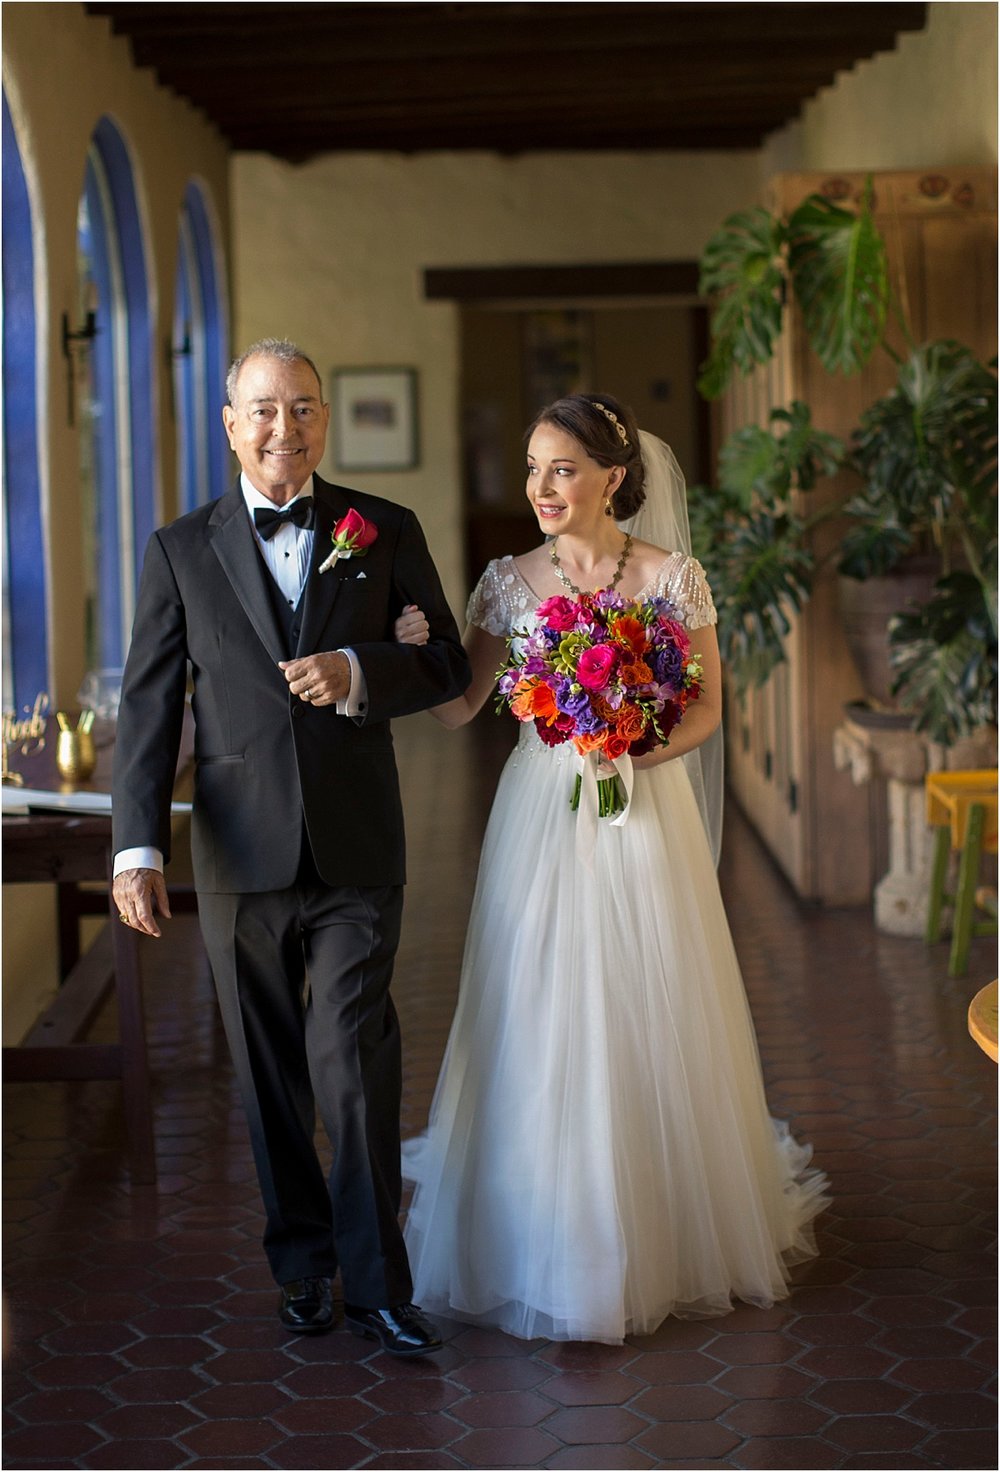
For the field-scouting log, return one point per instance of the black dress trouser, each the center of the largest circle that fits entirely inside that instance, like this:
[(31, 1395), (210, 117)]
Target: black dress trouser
[(302, 976)]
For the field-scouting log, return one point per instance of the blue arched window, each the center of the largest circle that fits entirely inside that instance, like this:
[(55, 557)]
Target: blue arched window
[(26, 659), (117, 439), (200, 357)]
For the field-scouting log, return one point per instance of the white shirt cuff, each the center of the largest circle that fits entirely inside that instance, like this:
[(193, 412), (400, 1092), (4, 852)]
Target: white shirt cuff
[(137, 858), (355, 702)]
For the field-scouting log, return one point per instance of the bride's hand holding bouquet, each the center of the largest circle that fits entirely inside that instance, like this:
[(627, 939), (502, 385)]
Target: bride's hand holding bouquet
[(614, 676)]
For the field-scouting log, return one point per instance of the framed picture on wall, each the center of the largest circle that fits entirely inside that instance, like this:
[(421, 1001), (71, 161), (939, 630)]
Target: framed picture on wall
[(375, 418)]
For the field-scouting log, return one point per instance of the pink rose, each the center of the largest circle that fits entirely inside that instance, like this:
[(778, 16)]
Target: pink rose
[(559, 613), (595, 666)]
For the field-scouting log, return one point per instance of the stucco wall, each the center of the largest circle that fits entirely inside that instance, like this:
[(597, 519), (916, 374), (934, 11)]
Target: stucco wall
[(62, 72), (929, 104), (332, 254)]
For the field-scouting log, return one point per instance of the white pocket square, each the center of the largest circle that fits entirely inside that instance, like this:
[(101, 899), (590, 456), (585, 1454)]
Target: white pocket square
[(361, 575)]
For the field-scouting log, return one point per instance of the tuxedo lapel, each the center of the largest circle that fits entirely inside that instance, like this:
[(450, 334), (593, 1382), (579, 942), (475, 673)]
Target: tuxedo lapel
[(320, 592), (234, 545)]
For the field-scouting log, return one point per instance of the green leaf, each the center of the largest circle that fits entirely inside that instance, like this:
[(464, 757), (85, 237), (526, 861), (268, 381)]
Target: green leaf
[(742, 268), (873, 545), (765, 464), (944, 659), (927, 451), (840, 275), (766, 573), (751, 464), (808, 453)]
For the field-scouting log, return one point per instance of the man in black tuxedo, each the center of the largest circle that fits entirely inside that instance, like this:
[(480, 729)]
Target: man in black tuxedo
[(297, 831)]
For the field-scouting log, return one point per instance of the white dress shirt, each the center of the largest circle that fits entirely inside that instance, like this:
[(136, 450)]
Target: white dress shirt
[(288, 556)]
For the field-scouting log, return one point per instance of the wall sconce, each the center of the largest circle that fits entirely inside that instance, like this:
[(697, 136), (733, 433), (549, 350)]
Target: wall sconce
[(184, 350), (175, 353), (84, 335)]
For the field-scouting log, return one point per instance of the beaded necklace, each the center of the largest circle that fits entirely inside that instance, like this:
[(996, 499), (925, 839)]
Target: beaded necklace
[(560, 574)]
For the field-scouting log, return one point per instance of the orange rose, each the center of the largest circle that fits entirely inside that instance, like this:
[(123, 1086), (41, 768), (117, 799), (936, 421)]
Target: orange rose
[(630, 723), (614, 745), (589, 741), (636, 672)]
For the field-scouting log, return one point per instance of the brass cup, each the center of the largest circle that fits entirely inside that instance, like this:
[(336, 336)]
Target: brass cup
[(75, 755)]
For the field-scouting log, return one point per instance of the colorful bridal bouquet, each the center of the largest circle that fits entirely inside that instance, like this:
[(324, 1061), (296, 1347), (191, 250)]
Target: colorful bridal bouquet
[(613, 677), (351, 537)]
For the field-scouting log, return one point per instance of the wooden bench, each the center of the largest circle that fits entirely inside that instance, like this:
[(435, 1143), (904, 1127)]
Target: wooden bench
[(67, 850)]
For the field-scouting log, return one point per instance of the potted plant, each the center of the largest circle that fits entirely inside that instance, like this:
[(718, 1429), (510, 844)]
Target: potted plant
[(917, 476)]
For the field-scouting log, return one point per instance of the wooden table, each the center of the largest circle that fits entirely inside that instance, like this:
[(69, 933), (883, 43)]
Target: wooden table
[(67, 848)]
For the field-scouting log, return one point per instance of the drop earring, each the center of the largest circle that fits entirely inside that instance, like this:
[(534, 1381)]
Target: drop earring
[(608, 508)]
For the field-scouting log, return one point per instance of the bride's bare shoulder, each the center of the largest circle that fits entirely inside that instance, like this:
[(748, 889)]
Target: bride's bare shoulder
[(649, 558), (537, 560)]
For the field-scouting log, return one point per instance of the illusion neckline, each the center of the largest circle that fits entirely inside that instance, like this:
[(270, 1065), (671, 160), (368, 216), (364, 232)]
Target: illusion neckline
[(631, 598)]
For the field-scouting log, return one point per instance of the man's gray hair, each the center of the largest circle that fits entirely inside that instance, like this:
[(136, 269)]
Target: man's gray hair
[(268, 347)]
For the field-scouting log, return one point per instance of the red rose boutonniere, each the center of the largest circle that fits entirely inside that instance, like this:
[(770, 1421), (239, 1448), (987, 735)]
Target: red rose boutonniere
[(352, 536)]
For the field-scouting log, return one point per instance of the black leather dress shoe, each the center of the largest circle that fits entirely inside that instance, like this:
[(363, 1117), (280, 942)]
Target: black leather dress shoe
[(403, 1330), (306, 1305)]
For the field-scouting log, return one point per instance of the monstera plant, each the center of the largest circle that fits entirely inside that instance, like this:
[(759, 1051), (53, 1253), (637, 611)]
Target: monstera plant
[(920, 468)]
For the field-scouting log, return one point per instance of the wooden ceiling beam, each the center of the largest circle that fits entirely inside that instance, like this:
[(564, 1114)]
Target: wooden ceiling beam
[(297, 79), (456, 86), (372, 135), (526, 28)]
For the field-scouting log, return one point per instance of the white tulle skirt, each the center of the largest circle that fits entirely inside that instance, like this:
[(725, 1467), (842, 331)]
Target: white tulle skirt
[(599, 1153)]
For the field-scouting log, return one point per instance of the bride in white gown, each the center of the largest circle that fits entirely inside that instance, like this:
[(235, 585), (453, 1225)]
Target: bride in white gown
[(599, 1153)]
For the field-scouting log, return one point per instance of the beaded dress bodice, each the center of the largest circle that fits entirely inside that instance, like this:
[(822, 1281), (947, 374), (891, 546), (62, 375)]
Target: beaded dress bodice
[(502, 601)]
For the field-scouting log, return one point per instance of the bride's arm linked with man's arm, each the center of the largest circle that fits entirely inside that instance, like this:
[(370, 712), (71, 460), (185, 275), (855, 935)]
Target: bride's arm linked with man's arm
[(486, 654)]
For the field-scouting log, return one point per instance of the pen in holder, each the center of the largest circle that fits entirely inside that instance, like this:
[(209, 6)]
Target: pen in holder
[(75, 754)]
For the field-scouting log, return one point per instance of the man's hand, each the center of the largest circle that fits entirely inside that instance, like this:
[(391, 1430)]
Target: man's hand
[(318, 679), (137, 893)]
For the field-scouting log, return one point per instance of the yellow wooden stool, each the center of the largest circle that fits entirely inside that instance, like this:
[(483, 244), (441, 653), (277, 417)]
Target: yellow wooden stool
[(963, 808)]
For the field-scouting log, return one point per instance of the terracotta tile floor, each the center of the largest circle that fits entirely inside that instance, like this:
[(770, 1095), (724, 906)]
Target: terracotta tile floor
[(141, 1327)]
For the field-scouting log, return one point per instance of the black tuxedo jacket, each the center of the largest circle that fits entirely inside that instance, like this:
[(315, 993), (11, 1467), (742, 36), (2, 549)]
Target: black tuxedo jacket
[(265, 761)]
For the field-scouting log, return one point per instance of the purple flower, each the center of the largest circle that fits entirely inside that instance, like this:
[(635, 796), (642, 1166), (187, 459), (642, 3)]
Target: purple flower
[(667, 664), (575, 704)]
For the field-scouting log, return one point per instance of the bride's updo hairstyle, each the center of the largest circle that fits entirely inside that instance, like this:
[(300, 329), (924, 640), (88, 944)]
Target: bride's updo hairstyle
[(608, 432)]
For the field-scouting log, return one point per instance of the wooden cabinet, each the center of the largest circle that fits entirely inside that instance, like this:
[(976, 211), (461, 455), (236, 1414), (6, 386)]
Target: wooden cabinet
[(826, 834)]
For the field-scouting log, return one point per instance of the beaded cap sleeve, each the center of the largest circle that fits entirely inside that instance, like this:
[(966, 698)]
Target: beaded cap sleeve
[(501, 599), (682, 579)]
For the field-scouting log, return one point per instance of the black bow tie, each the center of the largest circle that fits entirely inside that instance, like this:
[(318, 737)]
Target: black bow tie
[(268, 522)]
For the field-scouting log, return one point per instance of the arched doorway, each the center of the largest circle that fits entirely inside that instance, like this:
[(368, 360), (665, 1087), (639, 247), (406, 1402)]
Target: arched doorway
[(25, 570), (115, 395), (199, 355)]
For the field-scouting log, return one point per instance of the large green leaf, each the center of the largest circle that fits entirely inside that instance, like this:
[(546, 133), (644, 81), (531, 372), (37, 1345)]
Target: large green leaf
[(839, 268), (944, 660), (764, 464), (766, 574), (809, 453), (743, 270), (927, 451)]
